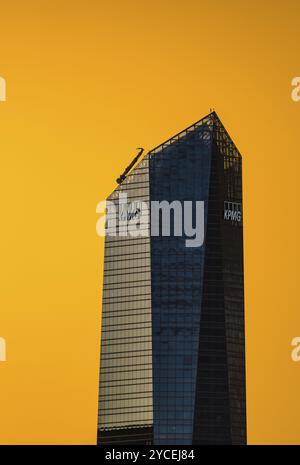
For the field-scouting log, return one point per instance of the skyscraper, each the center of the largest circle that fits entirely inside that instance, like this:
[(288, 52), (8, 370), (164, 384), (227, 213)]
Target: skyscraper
[(172, 367)]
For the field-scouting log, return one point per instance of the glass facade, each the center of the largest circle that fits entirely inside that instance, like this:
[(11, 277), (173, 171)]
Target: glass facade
[(125, 399), (180, 171), (220, 403), (172, 351)]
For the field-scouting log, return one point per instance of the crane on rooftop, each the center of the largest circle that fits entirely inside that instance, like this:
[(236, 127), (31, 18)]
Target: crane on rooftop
[(124, 174)]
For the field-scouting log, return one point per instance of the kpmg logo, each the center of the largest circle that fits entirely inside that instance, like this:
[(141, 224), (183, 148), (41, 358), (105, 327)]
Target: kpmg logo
[(2, 89), (232, 211), (159, 218), (2, 350)]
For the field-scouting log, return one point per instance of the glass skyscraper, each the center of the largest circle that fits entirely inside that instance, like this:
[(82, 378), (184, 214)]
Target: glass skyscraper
[(172, 368)]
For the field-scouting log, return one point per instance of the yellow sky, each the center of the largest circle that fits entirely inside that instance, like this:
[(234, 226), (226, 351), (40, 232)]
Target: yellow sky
[(87, 83)]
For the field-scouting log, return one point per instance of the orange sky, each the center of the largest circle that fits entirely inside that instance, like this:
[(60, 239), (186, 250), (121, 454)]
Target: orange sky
[(87, 83)]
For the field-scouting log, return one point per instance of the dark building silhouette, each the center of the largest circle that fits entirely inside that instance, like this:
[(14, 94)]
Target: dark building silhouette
[(172, 365)]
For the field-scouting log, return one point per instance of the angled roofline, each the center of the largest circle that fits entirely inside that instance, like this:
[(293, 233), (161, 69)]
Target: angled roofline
[(206, 119), (211, 119)]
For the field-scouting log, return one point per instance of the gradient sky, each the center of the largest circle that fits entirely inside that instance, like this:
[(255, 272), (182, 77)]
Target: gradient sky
[(87, 83)]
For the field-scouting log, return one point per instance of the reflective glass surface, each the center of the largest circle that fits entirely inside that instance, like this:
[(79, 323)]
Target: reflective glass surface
[(125, 398)]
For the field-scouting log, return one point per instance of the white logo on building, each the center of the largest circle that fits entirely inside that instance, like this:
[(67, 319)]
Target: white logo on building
[(232, 211)]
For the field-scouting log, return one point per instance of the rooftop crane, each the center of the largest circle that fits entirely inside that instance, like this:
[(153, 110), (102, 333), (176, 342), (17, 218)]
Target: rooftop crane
[(124, 174)]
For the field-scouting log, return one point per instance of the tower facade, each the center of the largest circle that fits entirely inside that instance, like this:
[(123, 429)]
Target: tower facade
[(172, 368)]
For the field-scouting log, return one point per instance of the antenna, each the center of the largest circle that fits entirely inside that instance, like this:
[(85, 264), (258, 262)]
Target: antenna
[(124, 174)]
